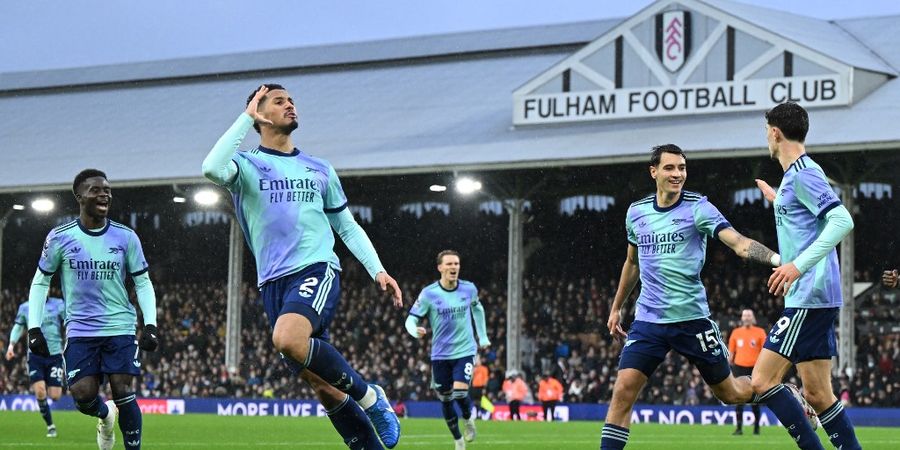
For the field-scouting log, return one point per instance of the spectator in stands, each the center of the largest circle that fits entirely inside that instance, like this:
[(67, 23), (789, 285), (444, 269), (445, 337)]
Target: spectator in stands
[(890, 278)]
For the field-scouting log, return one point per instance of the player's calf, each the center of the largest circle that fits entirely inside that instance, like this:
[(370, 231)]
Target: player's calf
[(130, 421), (352, 424), (839, 428), (792, 415)]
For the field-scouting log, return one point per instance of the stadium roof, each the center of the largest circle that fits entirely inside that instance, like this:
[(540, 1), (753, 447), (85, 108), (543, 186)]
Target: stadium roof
[(434, 103)]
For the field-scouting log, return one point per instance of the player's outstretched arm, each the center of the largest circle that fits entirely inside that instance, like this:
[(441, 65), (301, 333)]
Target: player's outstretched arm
[(838, 223), (890, 278), (359, 244), (413, 328), (749, 249), (627, 281), (218, 166)]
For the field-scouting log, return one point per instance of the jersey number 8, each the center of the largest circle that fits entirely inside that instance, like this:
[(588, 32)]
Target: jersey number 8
[(468, 371)]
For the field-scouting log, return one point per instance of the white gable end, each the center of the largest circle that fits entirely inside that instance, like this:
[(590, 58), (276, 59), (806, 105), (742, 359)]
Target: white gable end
[(679, 57)]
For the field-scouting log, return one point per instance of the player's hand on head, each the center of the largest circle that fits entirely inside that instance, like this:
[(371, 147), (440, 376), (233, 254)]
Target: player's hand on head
[(253, 106), (388, 284), (782, 278), (767, 191), (149, 338), (36, 342)]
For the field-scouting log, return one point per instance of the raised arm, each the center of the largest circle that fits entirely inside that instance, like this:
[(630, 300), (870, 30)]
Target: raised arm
[(218, 166), (627, 281), (749, 249)]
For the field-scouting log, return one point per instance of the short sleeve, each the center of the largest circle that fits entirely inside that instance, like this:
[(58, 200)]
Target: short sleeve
[(708, 219), (335, 199), (629, 230), (134, 259), (421, 306), (813, 190), (51, 255)]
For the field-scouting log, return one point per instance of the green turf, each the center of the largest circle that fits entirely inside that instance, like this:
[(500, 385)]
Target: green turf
[(201, 431)]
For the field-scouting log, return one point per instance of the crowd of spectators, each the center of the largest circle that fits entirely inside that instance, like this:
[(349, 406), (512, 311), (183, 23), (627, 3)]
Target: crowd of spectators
[(564, 336), (568, 289)]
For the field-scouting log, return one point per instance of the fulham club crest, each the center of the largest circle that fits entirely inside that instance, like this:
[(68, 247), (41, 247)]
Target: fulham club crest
[(673, 38)]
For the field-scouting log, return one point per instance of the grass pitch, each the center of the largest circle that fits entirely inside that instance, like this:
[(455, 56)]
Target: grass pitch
[(200, 431)]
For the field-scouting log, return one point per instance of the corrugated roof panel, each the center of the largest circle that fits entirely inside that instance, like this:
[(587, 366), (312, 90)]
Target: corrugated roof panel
[(326, 55), (818, 35)]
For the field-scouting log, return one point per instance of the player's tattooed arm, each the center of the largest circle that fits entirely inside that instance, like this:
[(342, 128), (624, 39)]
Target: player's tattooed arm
[(749, 249), (761, 254)]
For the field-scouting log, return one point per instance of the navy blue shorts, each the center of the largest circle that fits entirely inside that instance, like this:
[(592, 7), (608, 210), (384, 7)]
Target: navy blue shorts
[(697, 340), (48, 370), (107, 355), (312, 292), (803, 334), (445, 371)]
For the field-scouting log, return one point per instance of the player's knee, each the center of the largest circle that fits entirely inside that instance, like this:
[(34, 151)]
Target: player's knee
[(120, 391), (40, 392), (444, 396), (761, 386), (819, 399), (291, 344), (627, 387), (731, 398), (55, 395), (82, 393)]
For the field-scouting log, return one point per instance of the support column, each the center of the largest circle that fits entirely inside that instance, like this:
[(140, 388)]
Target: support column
[(846, 325), (235, 295), (514, 284)]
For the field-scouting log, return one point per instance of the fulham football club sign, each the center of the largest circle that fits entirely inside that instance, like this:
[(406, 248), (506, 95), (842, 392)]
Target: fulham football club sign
[(681, 57)]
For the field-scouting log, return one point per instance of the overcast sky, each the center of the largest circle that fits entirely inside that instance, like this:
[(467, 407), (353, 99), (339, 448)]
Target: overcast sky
[(43, 34)]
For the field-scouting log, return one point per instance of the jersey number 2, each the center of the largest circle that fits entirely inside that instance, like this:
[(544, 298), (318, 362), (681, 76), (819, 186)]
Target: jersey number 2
[(306, 289)]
